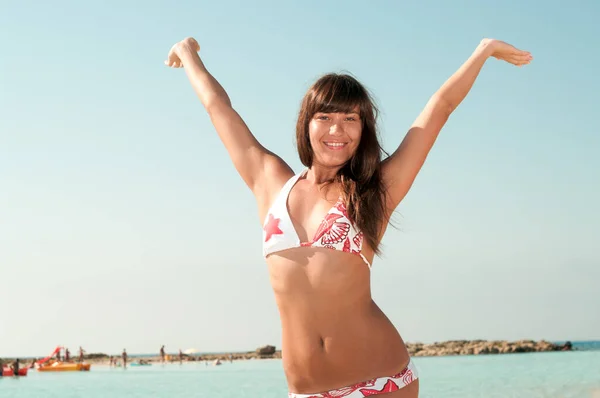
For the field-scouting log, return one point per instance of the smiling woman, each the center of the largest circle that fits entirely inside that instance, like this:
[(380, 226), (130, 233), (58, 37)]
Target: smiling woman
[(322, 226)]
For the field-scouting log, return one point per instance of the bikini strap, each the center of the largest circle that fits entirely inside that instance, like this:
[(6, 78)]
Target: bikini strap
[(287, 187), (280, 202)]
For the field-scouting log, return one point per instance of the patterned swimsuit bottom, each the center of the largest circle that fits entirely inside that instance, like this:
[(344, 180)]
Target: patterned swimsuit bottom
[(380, 385)]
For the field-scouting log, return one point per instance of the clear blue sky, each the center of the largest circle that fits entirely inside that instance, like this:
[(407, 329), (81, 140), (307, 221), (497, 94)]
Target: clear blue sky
[(123, 223)]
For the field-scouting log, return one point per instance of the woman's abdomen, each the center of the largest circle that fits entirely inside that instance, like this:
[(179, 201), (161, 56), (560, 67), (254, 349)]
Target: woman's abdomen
[(336, 347)]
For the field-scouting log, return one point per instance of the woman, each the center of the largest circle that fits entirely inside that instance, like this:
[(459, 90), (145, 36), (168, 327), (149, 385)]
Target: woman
[(322, 227)]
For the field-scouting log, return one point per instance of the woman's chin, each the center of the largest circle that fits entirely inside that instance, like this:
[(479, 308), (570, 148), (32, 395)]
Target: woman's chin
[(332, 162)]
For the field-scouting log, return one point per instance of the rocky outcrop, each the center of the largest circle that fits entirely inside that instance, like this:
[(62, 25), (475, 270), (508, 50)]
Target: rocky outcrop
[(266, 351), (481, 347), (95, 356), (453, 347)]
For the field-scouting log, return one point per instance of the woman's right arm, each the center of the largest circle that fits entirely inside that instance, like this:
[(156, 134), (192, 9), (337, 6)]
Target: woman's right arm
[(258, 167)]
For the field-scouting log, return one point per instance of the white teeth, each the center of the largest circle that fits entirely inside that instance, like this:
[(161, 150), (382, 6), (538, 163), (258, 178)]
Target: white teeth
[(335, 144)]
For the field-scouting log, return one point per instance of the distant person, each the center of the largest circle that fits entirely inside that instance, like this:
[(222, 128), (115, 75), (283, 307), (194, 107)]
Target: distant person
[(67, 355), (180, 357), (124, 357), (230, 358), (15, 367), (162, 354), (81, 352), (110, 361), (58, 357)]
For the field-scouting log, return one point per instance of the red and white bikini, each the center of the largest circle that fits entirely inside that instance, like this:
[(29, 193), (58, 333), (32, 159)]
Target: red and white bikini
[(380, 385), (336, 231)]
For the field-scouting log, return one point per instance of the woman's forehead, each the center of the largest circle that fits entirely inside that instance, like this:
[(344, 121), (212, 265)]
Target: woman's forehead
[(338, 108)]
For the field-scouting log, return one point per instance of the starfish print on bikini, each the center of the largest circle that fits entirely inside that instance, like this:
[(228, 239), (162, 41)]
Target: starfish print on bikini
[(272, 227)]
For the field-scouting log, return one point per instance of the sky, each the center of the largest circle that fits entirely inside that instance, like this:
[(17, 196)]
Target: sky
[(123, 223)]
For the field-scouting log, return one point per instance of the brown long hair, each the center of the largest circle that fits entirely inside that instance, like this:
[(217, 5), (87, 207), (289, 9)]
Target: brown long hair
[(360, 177)]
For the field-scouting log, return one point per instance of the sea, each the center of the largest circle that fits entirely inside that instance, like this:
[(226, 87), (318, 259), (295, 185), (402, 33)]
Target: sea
[(528, 375)]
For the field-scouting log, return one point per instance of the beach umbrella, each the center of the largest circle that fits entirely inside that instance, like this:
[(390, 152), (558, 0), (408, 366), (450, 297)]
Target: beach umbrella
[(191, 351)]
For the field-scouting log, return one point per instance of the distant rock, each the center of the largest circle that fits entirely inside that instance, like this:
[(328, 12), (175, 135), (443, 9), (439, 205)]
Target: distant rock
[(98, 355), (482, 347), (266, 351), (567, 346)]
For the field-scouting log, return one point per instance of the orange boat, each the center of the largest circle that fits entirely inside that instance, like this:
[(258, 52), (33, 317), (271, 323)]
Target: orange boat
[(65, 367), (50, 365)]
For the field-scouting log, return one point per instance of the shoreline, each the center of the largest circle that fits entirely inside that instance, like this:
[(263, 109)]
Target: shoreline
[(445, 348)]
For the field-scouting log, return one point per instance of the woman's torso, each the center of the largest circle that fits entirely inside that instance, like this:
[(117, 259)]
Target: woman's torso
[(334, 334)]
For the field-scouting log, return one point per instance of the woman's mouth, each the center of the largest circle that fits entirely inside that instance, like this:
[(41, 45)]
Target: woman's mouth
[(335, 146)]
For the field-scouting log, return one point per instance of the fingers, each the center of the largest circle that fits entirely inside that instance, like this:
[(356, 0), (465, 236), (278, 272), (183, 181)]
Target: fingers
[(524, 59), (518, 52), (519, 61), (173, 62), (173, 59)]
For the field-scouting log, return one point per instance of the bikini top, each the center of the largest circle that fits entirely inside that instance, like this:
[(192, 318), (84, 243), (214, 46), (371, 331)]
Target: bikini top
[(336, 231)]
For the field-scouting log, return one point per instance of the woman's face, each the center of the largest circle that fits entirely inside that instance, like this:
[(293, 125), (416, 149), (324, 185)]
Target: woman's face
[(334, 137)]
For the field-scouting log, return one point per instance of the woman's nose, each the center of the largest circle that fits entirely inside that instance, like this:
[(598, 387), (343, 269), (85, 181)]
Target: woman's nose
[(335, 129)]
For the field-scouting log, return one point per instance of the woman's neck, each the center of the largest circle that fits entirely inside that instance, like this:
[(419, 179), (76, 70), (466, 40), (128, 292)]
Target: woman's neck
[(320, 175)]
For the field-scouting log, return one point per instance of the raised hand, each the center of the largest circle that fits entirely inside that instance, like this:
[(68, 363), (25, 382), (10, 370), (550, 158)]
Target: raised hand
[(506, 52), (175, 54)]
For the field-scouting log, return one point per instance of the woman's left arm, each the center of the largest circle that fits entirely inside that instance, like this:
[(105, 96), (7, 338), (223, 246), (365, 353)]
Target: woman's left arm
[(401, 168)]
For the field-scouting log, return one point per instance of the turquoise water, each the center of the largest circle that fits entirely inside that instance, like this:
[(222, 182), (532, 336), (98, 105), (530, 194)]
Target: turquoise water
[(584, 345), (533, 375)]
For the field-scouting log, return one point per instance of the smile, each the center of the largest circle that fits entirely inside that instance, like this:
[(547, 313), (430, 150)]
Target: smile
[(335, 145)]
